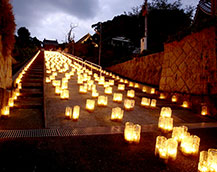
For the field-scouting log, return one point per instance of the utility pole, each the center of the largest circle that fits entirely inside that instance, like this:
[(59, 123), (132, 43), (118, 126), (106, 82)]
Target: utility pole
[(100, 43)]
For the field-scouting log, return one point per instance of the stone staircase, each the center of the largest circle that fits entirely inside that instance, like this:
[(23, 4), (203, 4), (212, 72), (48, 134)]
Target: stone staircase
[(27, 112)]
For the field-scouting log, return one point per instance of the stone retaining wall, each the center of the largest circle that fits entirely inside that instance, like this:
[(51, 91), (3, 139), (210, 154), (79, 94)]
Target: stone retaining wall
[(145, 69)]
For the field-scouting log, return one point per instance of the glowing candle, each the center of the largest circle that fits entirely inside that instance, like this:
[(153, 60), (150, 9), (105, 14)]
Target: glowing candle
[(172, 145), (185, 104), (11, 102), (76, 112), (145, 101), (179, 133), (126, 81), (152, 90), (153, 103), (64, 85), (165, 124), (203, 165), (144, 89), (102, 101), (117, 97), (58, 90), (117, 114), (90, 105), (64, 94), (162, 96), (166, 112), (19, 86), (121, 87), (68, 112), (17, 91), (129, 104), (83, 89), (131, 84), (204, 110), (136, 133), (190, 145), (5, 111), (108, 90), (174, 98), (95, 94), (136, 85), (111, 82), (160, 140), (130, 93), (56, 83), (47, 80), (212, 159), (132, 132)]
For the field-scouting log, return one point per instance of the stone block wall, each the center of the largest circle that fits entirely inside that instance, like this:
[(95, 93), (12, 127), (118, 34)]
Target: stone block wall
[(190, 65), (145, 69)]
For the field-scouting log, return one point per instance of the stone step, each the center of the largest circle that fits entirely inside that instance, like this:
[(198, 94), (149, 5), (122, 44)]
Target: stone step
[(31, 94), (33, 76), (32, 80), (32, 85)]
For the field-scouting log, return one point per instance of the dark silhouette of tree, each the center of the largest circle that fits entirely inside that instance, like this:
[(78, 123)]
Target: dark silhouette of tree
[(7, 26)]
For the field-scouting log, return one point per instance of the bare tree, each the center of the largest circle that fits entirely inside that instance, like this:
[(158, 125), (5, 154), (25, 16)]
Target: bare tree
[(70, 36)]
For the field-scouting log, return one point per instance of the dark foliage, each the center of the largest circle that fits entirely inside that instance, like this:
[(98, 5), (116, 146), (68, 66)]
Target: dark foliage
[(7, 26)]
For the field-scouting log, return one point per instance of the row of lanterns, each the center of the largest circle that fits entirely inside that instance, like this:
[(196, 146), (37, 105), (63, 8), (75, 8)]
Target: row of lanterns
[(5, 111)]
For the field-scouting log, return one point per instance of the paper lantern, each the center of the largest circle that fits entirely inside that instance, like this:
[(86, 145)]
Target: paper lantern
[(163, 150), (129, 104), (166, 112), (11, 102), (212, 160), (136, 85), (165, 124), (108, 90), (121, 87), (58, 90), (144, 89), (203, 165), (117, 97), (14, 95), (121, 80), (172, 145), (117, 114), (102, 101), (64, 94), (68, 112), (132, 132), (52, 77), (19, 86), (5, 111), (145, 101), (95, 94), (160, 140), (64, 85), (47, 80), (185, 104), (162, 96), (131, 84), (76, 112), (83, 89), (131, 93), (204, 110), (153, 103), (152, 90), (17, 91), (174, 98), (56, 83), (190, 145), (111, 82), (179, 133), (126, 81)]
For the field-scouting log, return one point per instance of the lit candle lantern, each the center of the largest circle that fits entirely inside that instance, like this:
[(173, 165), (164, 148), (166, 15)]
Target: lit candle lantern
[(108, 90), (126, 81), (58, 90), (130, 93), (47, 80), (52, 77), (144, 89), (174, 98), (145, 101), (14, 95), (111, 82), (136, 85), (117, 77), (160, 140), (212, 160), (153, 103), (68, 112), (204, 110), (162, 96), (117, 114), (162, 150), (102, 101), (67, 75), (64, 94), (83, 89), (18, 80), (185, 104), (19, 86), (196, 145), (76, 112), (117, 97), (203, 165), (190, 145), (121, 87), (165, 124), (131, 84), (179, 133), (152, 90), (11, 102), (129, 104), (90, 105), (64, 80), (17, 92), (132, 132), (64, 85), (95, 93), (5, 111), (172, 145), (166, 112), (56, 83), (121, 80)]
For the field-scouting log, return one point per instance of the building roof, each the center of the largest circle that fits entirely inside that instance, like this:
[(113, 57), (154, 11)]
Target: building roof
[(50, 42), (84, 38), (121, 39)]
